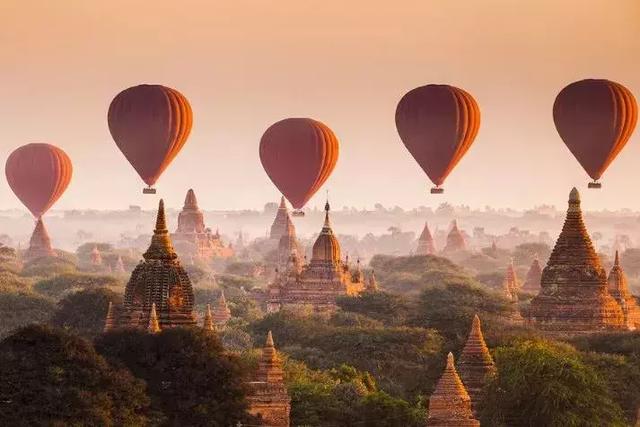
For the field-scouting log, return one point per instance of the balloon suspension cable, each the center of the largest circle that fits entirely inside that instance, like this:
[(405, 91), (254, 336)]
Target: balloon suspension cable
[(437, 190), (149, 190), (594, 184)]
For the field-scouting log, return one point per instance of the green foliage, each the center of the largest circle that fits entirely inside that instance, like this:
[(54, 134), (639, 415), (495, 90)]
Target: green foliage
[(58, 286), (47, 267), (240, 268), (53, 378), (545, 384), (18, 309), (190, 378), (492, 280), (84, 312), (391, 309), (10, 282), (524, 253)]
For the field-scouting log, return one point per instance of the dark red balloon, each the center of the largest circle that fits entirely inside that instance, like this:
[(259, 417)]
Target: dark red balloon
[(437, 124), (38, 174), (298, 154), (595, 119), (150, 124)]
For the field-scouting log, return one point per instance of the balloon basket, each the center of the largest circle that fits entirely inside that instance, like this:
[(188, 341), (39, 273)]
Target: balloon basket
[(297, 213), (437, 190), (594, 185), (148, 190)]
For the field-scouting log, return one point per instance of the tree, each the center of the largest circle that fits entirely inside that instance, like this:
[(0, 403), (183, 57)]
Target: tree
[(190, 378), (47, 267), (10, 282), (54, 378), (524, 253), (58, 286), (388, 308), (18, 309), (545, 384), (84, 312)]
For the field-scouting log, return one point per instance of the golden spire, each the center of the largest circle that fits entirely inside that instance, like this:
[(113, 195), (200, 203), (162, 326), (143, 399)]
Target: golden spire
[(109, 321), (160, 247), (208, 324), (154, 325)]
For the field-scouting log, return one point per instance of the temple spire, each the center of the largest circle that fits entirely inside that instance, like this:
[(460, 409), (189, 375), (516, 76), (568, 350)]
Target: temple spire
[(426, 245), (619, 290), (221, 311), (154, 325), (40, 243), (160, 247), (208, 324), (372, 283), (190, 201), (534, 276)]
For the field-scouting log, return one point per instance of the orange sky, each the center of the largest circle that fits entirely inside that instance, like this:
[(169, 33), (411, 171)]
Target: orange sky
[(245, 64)]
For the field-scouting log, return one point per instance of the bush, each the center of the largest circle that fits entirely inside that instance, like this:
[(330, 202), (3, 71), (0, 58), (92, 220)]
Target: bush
[(47, 267), (19, 309), (61, 285)]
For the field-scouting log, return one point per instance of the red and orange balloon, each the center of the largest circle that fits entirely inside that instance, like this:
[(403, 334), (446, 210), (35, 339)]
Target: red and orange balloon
[(595, 119), (150, 125), (437, 124), (298, 154), (38, 174)]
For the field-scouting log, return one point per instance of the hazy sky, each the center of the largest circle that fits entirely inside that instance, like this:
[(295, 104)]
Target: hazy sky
[(246, 64)]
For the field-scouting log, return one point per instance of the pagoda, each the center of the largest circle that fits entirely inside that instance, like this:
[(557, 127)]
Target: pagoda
[(192, 238), (426, 245), (281, 222), (95, 257), (510, 283), (119, 268), (475, 364), (39, 244), (267, 396), (221, 311), (574, 296), (455, 240), (288, 243), (208, 323), (318, 283), (450, 404), (534, 276), (619, 290), (158, 285)]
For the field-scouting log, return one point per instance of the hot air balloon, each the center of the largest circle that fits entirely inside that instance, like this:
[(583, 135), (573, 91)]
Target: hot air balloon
[(437, 124), (298, 154), (150, 124), (38, 174), (595, 119)]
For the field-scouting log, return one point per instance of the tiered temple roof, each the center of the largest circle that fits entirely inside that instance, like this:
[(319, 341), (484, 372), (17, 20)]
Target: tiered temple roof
[(426, 245), (192, 238), (619, 289), (450, 404), (455, 239), (281, 221), (475, 364), (221, 311), (39, 244), (267, 396), (159, 280), (574, 296), (534, 276)]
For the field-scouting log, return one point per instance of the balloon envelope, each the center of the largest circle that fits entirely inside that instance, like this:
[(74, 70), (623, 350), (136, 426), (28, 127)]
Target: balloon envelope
[(150, 124), (38, 174), (298, 154), (437, 124), (595, 119)]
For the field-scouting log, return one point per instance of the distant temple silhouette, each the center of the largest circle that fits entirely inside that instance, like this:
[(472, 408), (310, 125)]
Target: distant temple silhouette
[(39, 244)]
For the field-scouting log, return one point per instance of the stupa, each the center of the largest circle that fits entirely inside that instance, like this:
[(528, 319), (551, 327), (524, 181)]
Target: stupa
[(208, 323), (221, 311), (192, 239), (475, 364), (534, 276), (281, 222), (510, 284), (267, 395), (119, 268), (318, 283), (574, 297), (619, 290), (426, 245), (288, 243), (154, 326), (455, 240), (159, 282), (450, 404), (39, 244)]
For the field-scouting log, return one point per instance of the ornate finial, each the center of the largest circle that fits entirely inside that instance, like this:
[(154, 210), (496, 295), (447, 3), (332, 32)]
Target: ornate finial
[(617, 260), (208, 324), (160, 247), (269, 342), (283, 204), (450, 361), (574, 196), (475, 325), (327, 208), (161, 222), (154, 325)]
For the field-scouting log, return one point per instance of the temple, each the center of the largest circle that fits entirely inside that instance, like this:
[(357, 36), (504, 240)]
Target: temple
[(455, 240), (426, 245), (192, 239), (574, 296), (158, 285), (510, 283), (475, 364), (221, 311), (267, 396), (39, 244), (318, 283), (119, 268), (287, 244), (208, 323), (450, 404), (534, 276), (619, 290), (281, 222)]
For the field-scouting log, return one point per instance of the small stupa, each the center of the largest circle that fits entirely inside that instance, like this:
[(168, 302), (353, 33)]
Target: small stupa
[(455, 240), (426, 245), (267, 396), (281, 222), (154, 325), (208, 324), (39, 244), (619, 290), (119, 268), (475, 364), (510, 284), (534, 276), (450, 404), (372, 284), (221, 311)]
